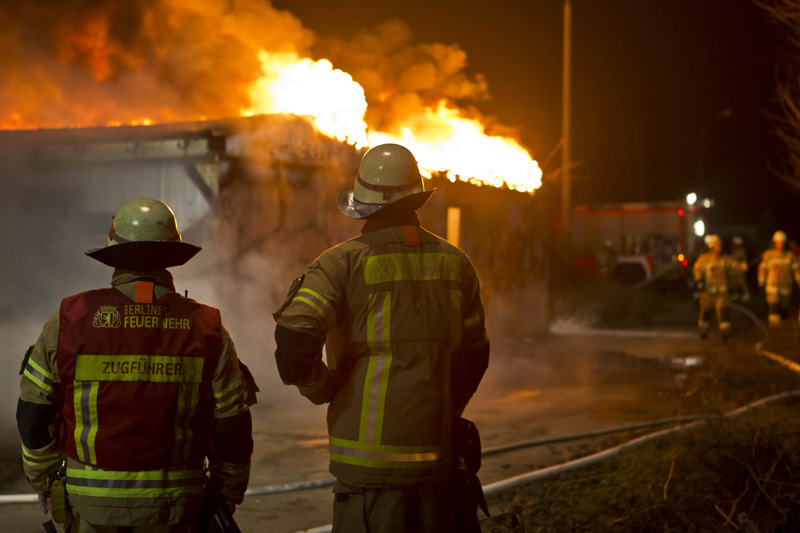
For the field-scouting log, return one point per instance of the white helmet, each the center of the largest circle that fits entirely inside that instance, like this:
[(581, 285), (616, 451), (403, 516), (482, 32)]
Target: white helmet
[(144, 236), (780, 236), (388, 175)]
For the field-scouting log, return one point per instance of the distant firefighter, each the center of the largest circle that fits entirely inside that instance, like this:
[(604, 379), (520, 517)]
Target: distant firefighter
[(739, 290), (607, 260), (712, 271), (778, 267)]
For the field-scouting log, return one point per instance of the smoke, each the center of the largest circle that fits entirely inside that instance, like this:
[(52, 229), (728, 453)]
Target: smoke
[(109, 62), (85, 62), (401, 77)]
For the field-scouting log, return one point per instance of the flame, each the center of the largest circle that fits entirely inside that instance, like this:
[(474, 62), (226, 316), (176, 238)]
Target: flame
[(115, 63), (314, 88), (441, 139), (445, 142)]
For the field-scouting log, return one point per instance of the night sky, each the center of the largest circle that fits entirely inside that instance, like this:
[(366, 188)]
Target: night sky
[(651, 85)]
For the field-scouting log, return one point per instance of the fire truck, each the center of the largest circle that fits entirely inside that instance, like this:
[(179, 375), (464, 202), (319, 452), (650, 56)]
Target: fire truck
[(655, 240)]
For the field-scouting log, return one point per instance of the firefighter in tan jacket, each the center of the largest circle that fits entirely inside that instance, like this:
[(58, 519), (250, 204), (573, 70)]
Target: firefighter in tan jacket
[(712, 272), (128, 389), (401, 313), (778, 267)]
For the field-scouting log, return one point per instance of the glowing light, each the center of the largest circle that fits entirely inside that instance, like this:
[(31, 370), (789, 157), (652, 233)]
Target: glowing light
[(685, 262), (680, 212), (691, 198), (706, 203), (699, 227), (681, 258), (314, 88)]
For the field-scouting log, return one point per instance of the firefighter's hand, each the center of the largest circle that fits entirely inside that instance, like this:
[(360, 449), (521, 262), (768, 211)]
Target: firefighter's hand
[(44, 502), (699, 285), (229, 505)]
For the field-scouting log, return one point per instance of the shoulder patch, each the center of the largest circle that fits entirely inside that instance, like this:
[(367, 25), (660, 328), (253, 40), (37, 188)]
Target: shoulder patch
[(296, 285), (28, 353)]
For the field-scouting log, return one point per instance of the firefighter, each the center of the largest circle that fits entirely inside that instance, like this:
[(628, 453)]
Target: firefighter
[(712, 271), (739, 289), (607, 260), (132, 387), (401, 313), (778, 267)]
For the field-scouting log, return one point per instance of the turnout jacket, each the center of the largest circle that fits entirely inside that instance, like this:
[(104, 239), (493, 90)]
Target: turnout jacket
[(714, 270), (136, 395), (401, 312), (776, 271)]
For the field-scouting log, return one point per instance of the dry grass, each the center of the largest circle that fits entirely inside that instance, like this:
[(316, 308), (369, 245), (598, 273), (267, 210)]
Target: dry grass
[(731, 475)]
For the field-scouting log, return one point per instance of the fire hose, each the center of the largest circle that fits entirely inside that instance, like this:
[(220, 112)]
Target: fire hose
[(308, 485), (500, 487), (503, 486)]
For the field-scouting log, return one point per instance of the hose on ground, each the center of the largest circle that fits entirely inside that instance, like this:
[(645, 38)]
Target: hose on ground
[(500, 487), (308, 485)]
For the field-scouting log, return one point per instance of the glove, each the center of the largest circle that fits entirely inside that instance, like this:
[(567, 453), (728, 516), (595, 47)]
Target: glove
[(44, 502), (699, 285)]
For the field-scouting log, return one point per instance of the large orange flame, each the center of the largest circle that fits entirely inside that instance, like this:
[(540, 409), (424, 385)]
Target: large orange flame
[(314, 88), (441, 139)]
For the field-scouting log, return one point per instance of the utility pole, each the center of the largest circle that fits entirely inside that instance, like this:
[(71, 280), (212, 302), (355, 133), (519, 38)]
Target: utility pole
[(566, 146)]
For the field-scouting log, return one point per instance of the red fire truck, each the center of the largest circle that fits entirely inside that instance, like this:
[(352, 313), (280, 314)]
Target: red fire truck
[(651, 240)]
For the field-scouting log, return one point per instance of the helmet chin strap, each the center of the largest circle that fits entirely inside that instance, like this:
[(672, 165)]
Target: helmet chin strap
[(387, 190)]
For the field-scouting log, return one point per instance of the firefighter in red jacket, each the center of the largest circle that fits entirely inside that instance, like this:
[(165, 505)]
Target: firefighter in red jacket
[(129, 389), (401, 311)]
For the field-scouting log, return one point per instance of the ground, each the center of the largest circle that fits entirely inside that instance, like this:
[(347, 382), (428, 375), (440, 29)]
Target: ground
[(581, 377)]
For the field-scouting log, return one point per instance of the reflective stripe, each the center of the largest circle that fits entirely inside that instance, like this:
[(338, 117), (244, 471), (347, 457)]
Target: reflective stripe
[(231, 393), (188, 397), (313, 299), (377, 378), (382, 456), (146, 484), (143, 368), (33, 459), (473, 319), (39, 375), (85, 402), (426, 266)]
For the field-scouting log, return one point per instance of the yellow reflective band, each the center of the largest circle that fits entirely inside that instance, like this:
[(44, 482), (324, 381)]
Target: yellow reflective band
[(382, 456), (229, 394), (147, 368), (85, 403), (472, 320), (147, 484), (36, 460), (188, 394), (377, 378), (427, 266), (362, 429), (400, 450), (37, 380), (39, 369), (227, 389), (314, 299)]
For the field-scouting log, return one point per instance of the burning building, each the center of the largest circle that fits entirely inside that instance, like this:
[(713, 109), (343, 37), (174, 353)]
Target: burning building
[(248, 139)]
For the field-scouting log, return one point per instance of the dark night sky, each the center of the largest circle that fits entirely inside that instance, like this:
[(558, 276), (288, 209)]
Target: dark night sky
[(649, 79)]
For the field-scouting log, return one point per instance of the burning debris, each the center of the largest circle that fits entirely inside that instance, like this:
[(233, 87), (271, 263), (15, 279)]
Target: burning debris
[(110, 63)]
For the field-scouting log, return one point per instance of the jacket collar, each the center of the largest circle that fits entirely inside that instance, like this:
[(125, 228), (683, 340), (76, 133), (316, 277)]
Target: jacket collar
[(376, 224), (125, 280)]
